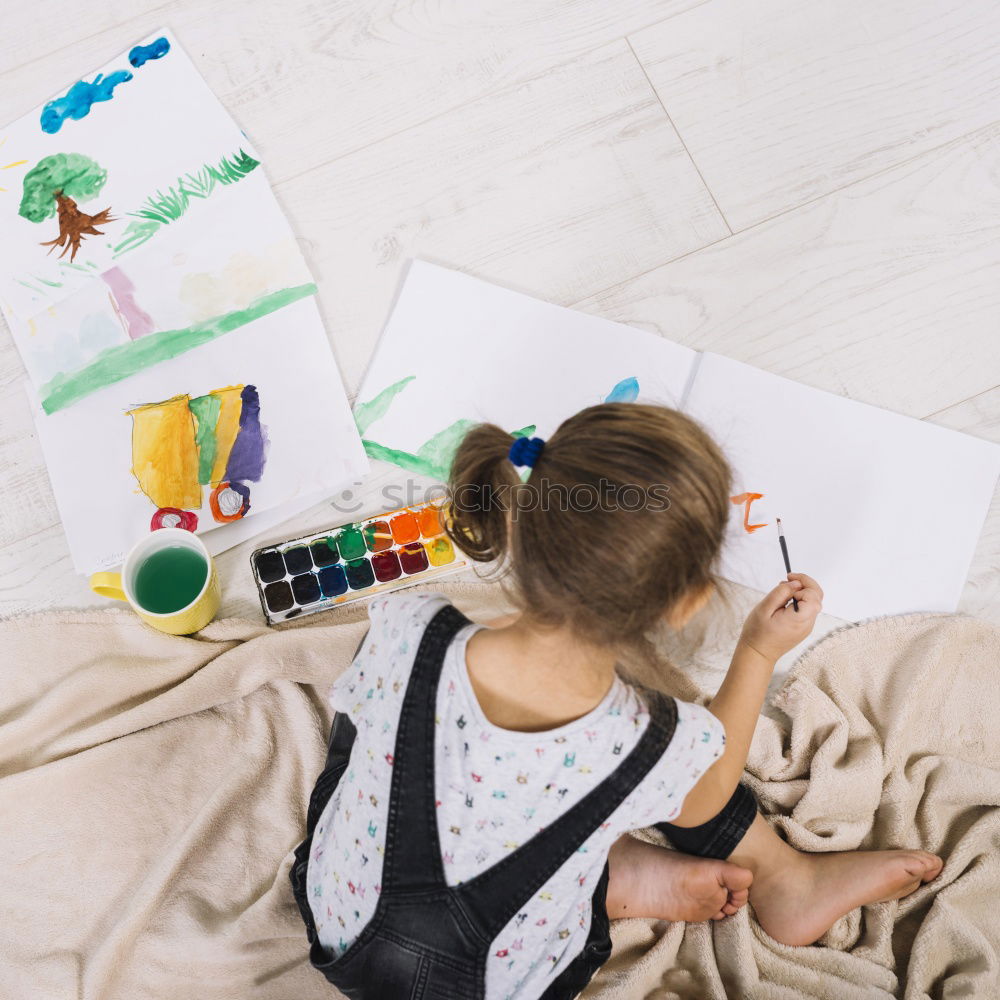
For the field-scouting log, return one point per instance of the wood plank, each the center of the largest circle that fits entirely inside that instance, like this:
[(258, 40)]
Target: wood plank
[(567, 183), (780, 103), (36, 574), (34, 31), (27, 504), (310, 81), (887, 291)]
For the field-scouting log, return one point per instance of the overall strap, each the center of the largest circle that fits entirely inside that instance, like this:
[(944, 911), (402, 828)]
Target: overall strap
[(412, 851), (495, 895)]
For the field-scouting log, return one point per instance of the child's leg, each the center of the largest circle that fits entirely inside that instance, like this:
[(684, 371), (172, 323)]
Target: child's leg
[(797, 896), (650, 881)]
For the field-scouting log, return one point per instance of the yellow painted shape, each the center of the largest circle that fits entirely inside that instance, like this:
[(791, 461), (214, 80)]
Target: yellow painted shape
[(226, 428), (164, 455)]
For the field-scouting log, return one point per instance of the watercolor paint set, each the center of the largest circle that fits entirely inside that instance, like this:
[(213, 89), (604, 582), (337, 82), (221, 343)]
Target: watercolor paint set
[(352, 561)]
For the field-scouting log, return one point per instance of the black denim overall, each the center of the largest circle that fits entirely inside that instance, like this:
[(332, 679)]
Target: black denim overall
[(430, 941)]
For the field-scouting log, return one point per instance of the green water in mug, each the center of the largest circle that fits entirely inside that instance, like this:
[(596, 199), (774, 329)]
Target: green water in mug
[(170, 579)]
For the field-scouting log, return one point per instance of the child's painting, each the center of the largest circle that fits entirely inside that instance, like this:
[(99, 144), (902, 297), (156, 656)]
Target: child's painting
[(139, 226), (185, 447), (158, 298), (239, 434), (107, 165), (842, 476), (50, 189), (457, 351), (202, 279), (434, 457)]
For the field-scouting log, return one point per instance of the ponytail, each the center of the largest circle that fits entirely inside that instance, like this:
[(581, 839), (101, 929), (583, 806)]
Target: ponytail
[(481, 487)]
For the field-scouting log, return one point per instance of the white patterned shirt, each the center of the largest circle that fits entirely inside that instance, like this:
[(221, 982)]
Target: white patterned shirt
[(495, 789)]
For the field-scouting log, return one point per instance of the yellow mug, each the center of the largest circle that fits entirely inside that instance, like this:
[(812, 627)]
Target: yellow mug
[(121, 586)]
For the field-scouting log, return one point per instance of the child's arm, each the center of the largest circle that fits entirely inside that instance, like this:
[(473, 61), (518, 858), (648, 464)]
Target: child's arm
[(770, 630)]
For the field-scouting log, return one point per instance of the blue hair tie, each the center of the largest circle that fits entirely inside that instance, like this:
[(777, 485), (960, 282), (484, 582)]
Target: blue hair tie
[(525, 451)]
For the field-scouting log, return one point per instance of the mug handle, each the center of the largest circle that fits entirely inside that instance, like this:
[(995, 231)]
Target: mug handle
[(108, 585)]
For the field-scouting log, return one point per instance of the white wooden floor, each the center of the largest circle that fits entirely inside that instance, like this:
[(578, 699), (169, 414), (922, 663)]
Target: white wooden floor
[(812, 188)]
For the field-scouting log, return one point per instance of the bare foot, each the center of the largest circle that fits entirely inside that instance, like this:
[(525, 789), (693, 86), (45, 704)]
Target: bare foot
[(650, 881), (798, 903)]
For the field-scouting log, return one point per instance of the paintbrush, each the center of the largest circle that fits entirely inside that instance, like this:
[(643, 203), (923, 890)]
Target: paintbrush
[(784, 554)]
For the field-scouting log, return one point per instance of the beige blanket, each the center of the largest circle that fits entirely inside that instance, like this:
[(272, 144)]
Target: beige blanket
[(152, 790)]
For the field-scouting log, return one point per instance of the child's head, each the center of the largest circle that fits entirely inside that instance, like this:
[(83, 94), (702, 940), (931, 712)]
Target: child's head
[(620, 523)]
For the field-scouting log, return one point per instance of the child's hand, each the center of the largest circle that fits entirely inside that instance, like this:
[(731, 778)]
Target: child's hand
[(773, 629)]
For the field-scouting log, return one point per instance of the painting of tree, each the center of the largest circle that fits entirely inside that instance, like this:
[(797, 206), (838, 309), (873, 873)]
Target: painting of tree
[(52, 186)]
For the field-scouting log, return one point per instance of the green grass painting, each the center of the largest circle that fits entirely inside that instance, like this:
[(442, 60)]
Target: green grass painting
[(118, 362), (164, 207), (434, 457)]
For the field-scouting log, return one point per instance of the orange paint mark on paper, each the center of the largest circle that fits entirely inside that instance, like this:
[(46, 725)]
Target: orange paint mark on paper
[(748, 498)]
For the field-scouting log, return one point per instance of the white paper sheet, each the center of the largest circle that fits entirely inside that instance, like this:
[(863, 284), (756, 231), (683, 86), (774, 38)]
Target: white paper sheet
[(482, 353), (883, 510), (151, 135), (313, 449)]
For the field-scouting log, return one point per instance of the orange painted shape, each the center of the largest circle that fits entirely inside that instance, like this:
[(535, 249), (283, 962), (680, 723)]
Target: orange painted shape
[(217, 512), (748, 498)]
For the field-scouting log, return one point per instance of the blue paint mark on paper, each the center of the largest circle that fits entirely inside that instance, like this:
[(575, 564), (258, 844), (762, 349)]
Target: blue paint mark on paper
[(79, 99), (626, 391), (142, 54), (246, 460)]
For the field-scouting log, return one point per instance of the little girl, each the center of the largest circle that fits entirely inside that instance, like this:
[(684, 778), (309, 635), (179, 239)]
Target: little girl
[(468, 837)]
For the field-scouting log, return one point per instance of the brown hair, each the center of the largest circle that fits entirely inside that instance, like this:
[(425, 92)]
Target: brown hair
[(610, 574)]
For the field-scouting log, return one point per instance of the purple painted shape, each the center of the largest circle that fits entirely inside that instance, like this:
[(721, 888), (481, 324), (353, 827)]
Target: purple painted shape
[(249, 451), (137, 321)]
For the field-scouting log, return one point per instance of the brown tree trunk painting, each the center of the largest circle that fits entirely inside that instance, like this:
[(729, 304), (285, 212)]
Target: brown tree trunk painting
[(74, 225)]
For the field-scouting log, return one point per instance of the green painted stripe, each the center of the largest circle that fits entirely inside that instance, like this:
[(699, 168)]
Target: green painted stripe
[(365, 414), (434, 456), (404, 459), (123, 360), (206, 414)]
